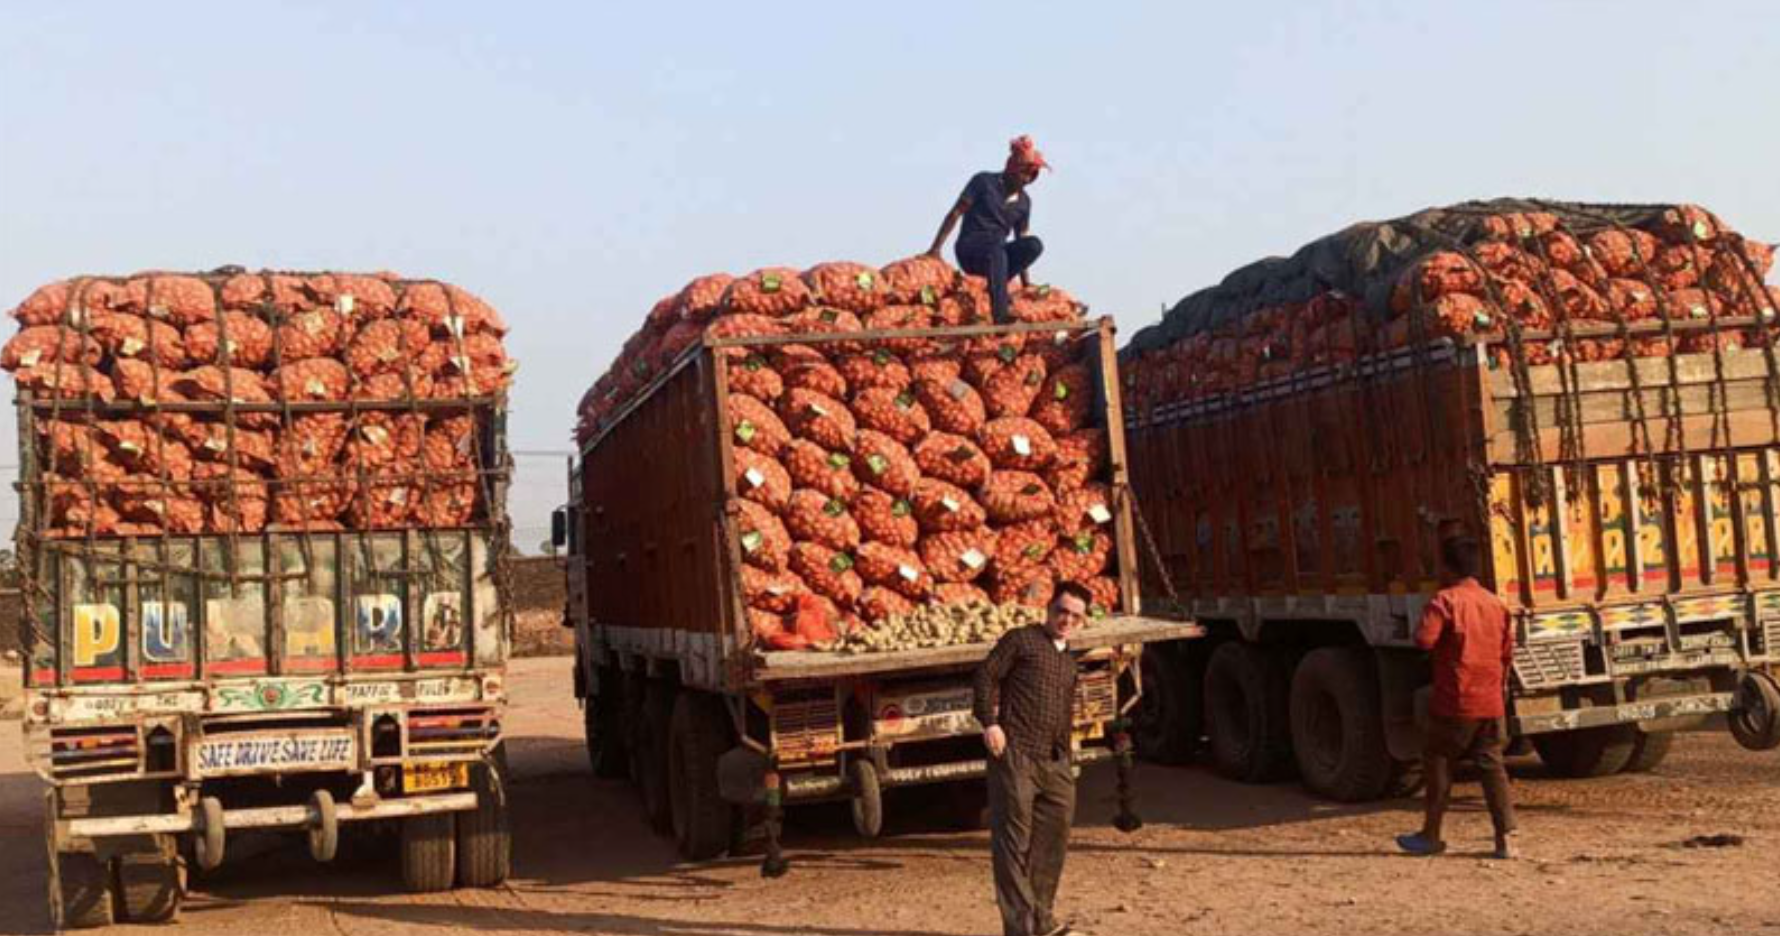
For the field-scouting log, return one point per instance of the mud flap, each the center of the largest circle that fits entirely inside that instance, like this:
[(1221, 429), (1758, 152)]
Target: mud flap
[(741, 776)]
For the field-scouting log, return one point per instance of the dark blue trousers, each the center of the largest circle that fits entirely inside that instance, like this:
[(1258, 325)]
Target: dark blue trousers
[(998, 263)]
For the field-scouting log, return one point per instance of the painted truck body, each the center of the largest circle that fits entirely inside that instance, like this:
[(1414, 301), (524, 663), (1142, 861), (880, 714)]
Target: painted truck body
[(666, 659), (1630, 511), (179, 688)]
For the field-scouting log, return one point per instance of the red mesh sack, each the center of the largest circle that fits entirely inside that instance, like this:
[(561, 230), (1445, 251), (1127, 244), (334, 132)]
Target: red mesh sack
[(1706, 342), (387, 346), (393, 387), (1694, 304), (805, 368), (311, 505), (921, 279), (1684, 223), (1517, 225), (886, 519), (703, 297), (961, 556), (73, 510), (217, 384), (383, 499), (309, 447), (1622, 253), (743, 326), (823, 320), (1576, 298), (144, 500), (382, 440), (762, 479), (320, 380), (901, 318), (1681, 267), (1043, 303), (210, 440), (1018, 444), (765, 542), (953, 459), (181, 300), (315, 333), (821, 419), (1439, 274), (754, 425), (853, 287), (894, 567), (771, 591), (951, 593), (812, 466), (882, 462), (769, 630), (66, 381), (141, 449), (1031, 586), (1025, 545), (897, 415), (1065, 400), (939, 367), (131, 336), (815, 517), (818, 620), (1105, 595), (249, 342), (1011, 390), (664, 314), (1081, 456), (945, 508), (41, 344), (955, 407), (47, 305), (753, 376), (361, 297), (1086, 508), (449, 310), (1017, 496), (1630, 300), (69, 445), (877, 604), (874, 369), (774, 292), (235, 499), (972, 296), (828, 572), (1082, 556)]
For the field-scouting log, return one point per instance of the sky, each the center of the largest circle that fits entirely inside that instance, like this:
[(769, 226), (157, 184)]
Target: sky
[(573, 162)]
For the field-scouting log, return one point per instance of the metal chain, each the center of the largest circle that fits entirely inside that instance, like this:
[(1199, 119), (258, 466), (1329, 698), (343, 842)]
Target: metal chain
[(1151, 550)]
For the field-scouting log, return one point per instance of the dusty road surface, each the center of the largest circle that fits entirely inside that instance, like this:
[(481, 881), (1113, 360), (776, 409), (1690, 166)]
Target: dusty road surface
[(1219, 858)]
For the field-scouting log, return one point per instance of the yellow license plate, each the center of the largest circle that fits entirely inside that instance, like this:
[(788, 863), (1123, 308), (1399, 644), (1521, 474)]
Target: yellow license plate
[(430, 778)]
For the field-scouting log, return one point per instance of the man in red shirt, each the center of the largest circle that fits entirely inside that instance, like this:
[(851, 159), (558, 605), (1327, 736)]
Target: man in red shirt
[(1471, 642)]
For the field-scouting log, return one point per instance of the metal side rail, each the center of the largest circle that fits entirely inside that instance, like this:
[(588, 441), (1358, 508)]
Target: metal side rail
[(270, 817)]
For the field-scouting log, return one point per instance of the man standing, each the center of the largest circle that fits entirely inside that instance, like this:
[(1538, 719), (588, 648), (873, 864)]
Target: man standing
[(1025, 700), (1472, 642), (992, 206)]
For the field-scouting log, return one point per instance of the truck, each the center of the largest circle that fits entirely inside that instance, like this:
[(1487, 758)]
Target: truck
[(226, 644), (1313, 427), (717, 729)]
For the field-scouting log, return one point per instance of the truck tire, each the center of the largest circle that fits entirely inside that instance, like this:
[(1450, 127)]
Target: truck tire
[(1169, 718), (1588, 752), (1649, 751), (1246, 713), (868, 798), (79, 887), (1338, 725), (484, 837), (703, 823), (651, 754), (1755, 716), (603, 718), (149, 886), (429, 852)]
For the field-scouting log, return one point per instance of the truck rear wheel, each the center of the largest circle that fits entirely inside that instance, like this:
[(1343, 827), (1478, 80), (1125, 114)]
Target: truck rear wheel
[(1170, 714), (704, 825), (1588, 752), (1649, 751), (484, 838), (650, 751), (79, 887), (429, 852), (150, 886), (1338, 727), (603, 718), (1245, 711)]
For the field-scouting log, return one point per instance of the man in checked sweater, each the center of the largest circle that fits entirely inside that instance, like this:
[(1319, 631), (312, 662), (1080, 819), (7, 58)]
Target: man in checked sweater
[(1025, 700)]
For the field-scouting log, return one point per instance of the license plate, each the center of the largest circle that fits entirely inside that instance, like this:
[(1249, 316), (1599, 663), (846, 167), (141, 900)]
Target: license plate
[(430, 778), (284, 752)]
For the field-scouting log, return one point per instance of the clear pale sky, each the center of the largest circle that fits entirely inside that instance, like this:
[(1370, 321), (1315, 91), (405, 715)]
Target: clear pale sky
[(572, 162)]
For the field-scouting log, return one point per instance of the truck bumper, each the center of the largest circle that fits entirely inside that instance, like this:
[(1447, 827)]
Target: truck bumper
[(271, 817), (813, 787), (1671, 707)]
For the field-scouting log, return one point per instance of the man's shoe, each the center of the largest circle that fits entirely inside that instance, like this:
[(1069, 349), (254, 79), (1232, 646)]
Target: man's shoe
[(1063, 929), (1505, 850), (1419, 844)]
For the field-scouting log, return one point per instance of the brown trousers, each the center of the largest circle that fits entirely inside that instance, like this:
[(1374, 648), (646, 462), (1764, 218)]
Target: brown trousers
[(1482, 740), (1031, 804)]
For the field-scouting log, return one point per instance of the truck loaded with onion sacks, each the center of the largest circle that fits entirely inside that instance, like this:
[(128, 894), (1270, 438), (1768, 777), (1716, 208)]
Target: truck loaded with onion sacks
[(262, 544), (805, 506), (1591, 391)]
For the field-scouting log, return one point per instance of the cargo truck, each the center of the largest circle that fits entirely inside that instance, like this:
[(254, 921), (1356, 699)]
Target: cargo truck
[(204, 662), (1620, 464), (719, 730)]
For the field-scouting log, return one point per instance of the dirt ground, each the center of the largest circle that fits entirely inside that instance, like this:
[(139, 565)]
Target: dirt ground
[(1603, 856)]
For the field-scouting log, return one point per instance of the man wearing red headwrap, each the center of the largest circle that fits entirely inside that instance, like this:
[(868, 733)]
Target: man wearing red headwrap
[(993, 207)]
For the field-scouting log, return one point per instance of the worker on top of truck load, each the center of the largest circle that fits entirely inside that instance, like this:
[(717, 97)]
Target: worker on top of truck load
[(1467, 630), (993, 206), (1025, 701)]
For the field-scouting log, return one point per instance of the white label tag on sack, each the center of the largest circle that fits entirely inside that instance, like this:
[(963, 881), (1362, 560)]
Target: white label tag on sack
[(818, 409), (1099, 514), (345, 304), (1022, 446), (959, 389), (909, 573), (31, 357), (776, 590), (950, 504), (130, 347), (974, 559), (755, 478)]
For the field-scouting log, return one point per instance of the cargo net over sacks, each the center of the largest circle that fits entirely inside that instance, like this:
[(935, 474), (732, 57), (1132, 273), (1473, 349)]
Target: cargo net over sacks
[(235, 402), (1543, 283), (898, 491)]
